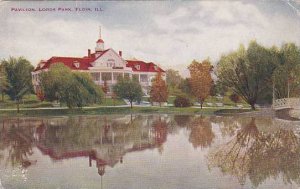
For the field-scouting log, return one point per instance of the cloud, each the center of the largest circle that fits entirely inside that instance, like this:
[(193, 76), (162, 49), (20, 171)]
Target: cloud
[(175, 33)]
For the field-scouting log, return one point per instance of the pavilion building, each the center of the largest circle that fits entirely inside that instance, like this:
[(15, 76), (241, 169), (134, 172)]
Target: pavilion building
[(103, 65)]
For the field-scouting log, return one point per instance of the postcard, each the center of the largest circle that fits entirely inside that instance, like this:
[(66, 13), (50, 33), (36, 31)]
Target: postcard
[(150, 94)]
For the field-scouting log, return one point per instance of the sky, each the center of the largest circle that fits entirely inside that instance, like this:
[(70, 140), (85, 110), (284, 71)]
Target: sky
[(169, 33)]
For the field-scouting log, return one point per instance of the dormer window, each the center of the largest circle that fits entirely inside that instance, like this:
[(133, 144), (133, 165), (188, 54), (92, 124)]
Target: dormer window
[(110, 63), (138, 67), (156, 68), (76, 64)]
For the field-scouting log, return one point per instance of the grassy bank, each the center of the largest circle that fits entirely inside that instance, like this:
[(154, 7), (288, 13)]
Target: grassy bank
[(31, 101), (106, 110)]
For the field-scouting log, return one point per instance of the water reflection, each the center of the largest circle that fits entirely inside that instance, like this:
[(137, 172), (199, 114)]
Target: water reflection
[(258, 155), (245, 148), (201, 132)]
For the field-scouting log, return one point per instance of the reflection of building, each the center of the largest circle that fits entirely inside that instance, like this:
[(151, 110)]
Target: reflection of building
[(103, 65), (106, 145)]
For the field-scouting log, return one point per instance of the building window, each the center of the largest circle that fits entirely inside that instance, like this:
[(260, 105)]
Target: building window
[(144, 78), (135, 77), (106, 76), (116, 76), (95, 76)]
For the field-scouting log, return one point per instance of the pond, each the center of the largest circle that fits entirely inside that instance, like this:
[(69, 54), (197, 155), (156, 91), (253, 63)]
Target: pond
[(149, 151)]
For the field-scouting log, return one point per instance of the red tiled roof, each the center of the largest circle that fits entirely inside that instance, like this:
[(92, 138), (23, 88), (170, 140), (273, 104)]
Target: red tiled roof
[(143, 66), (85, 63)]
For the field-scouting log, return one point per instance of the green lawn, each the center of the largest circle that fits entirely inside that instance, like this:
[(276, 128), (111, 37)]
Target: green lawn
[(31, 101), (111, 102), (211, 99)]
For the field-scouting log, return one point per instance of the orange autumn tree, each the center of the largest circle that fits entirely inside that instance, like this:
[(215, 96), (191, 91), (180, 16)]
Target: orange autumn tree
[(159, 90), (201, 80)]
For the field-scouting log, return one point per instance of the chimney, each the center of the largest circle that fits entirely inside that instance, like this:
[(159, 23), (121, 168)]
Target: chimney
[(120, 53), (89, 53)]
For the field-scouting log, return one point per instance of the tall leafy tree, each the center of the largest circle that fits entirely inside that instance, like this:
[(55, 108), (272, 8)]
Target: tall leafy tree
[(173, 77), (54, 81), (19, 77), (201, 81), (159, 90), (128, 88), (173, 80), (75, 89), (3, 81), (185, 86), (247, 72), (286, 76)]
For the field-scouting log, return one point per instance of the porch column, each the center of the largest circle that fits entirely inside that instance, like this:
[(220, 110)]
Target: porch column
[(100, 80)]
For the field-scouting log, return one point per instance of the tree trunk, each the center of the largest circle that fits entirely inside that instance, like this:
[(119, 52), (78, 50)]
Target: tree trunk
[(131, 104), (252, 106), (201, 104), (18, 106)]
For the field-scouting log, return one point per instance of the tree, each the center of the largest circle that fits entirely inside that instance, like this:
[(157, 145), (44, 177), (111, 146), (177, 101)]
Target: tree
[(54, 81), (128, 88), (159, 90), (19, 77), (173, 79), (247, 71), (234, 98), (75, 89), (286, 75), (218, 89), (185, 86), (105, 88), (3, 81), (201, 81)]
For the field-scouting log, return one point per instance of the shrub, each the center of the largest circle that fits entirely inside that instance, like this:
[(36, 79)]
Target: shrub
[(234, 98), (182, 101)]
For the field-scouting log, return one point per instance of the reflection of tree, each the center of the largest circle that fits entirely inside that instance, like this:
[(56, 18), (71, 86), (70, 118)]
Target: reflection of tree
[(228, 125), (182, 120), (201, 132), (259, 155), (18, 142), (160, 133)]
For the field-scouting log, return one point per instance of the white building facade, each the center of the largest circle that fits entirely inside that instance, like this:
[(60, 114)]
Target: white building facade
[(104, 65)]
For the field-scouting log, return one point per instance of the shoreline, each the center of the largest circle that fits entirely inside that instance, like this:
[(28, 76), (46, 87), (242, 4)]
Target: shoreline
[(113, 110)]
